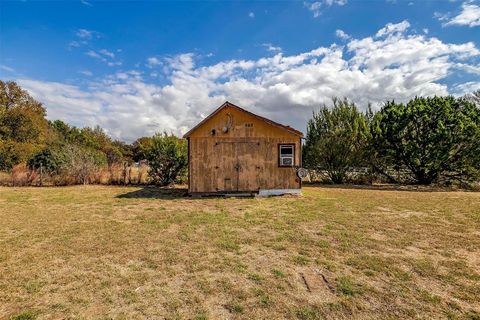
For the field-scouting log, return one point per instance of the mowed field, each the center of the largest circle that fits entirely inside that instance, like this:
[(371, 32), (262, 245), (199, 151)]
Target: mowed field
[(97, 252)]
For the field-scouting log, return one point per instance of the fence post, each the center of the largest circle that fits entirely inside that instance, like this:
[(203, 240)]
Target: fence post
[(41, 174), (125, 173)]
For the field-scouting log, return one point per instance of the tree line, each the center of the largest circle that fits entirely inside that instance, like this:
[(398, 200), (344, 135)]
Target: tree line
[(426, 140), (74, 155)]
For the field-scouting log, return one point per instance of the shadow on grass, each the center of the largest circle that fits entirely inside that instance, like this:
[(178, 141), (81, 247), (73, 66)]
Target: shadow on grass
[(156, 193), (152, 192)]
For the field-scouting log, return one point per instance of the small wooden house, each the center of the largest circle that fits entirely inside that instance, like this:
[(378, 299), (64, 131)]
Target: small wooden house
[(235, 151)]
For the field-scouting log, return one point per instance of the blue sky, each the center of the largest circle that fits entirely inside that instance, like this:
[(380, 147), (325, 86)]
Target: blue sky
[(136, 68)]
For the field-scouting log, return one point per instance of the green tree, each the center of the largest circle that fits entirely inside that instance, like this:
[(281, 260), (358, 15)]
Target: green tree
[(10, 154), (12, 96), (113, 154), (17, 126), (167, 157), (53, 159), (124, 149), (23, 127), (336, 140), (140, 147), (433, 138), (92, 139)]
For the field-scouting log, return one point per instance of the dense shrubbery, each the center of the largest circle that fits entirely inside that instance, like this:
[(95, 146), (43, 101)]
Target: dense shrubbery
[(167, 157), (336, 140), (52, 160), (436, 139), (427, 140)]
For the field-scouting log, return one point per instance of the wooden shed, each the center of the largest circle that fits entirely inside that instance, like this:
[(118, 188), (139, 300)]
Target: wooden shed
[(235, 151)]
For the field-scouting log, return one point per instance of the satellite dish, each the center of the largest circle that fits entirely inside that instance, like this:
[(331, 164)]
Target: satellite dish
[(229, 123), (302, 173)]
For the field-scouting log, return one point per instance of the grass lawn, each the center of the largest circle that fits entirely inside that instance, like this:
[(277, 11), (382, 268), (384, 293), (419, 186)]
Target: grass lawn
[(100, 252)]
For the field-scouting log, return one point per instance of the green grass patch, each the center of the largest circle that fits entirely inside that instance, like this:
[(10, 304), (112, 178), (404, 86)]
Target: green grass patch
[(301, 260), (308, 313), (255, 278), (347, 286), (278, 274), (27, 315)]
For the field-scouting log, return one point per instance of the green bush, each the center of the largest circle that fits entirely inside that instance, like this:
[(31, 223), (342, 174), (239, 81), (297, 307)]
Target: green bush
[(52, 159), (336, 140), (435, 139), (167, 157)]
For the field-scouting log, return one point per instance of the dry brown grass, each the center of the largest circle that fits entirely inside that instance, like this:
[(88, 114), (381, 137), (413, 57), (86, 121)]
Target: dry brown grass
[(21, 175), (100, 252)]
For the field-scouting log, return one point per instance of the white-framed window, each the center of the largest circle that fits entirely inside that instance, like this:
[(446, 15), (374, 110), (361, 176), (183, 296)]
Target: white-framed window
[(286, 155)]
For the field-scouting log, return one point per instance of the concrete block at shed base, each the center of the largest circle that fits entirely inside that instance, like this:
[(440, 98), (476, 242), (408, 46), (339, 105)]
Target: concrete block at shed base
[(278, 192)]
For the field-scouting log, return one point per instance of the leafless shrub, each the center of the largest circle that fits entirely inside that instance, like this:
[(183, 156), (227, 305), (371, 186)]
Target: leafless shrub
[(22, 176), (80, 164)]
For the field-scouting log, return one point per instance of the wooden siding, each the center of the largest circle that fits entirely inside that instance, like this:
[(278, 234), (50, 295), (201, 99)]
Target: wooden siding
[(243, 159)]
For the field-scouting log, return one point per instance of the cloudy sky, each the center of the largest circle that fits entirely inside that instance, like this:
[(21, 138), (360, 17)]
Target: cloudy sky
[(136, 68)]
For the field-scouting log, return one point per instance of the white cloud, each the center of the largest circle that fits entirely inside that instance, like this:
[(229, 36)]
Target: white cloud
[(251, 15), (342, 35), (469, 16), (114, 63), (87, 73), (84, 34), (107, 53), (397, 64), (73, 44), (105, 56), (6, 68), (466, 88), (153, 61), (83, 37), (183, 62), (272, 48), (316, 7), (393, 28), (337, 2), (65, 101), (473, 69), (93, 54)]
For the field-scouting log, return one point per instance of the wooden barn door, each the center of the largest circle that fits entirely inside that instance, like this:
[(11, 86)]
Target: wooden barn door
[(226, 174), (247, 164), (236, 167)]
